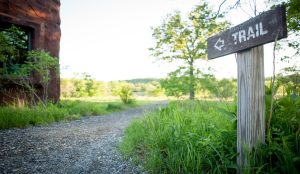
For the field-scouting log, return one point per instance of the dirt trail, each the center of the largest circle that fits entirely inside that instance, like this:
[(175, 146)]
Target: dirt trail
[(82, 146)]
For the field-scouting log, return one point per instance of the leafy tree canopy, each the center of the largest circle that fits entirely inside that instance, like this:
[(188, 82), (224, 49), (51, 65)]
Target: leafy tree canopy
[(178, 38)]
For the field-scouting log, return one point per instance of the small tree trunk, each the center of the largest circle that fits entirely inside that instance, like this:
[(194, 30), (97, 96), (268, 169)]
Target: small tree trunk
[(192, 81)]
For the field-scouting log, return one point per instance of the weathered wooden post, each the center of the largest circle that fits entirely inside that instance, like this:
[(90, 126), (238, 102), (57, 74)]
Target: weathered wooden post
[(246, 39), (251, 103)]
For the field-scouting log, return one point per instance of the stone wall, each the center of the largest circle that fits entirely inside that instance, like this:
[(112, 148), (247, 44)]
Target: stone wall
[(42, 17)]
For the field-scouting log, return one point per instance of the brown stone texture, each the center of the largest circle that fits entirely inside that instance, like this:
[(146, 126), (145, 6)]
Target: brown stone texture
[(42, 16)]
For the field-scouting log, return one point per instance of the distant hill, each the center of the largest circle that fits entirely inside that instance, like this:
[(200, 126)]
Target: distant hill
[(144, 80)]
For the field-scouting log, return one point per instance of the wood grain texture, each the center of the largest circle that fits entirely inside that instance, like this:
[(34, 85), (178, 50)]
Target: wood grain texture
[(251, 102)]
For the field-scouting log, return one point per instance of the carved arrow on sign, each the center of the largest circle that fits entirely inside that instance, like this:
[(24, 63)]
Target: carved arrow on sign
[(219, 44), (259, 30)]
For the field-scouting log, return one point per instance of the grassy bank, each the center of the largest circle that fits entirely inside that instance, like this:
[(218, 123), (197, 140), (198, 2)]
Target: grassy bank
[(200, 137), (185, 137), (11, 116)]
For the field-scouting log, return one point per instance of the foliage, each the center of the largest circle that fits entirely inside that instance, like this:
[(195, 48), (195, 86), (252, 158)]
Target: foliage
[(42, 63), (185, 137), (290, 82), (85, 86), (81, 86), (293, 25), (177, 83), (227, 88), (281, 153), (114, 88), (125, 93), (142, 80), (90, 85), (150, 88), (13, 49), (179, 39), (19, 65), (67, 87), (11, 116), (154, 89), (293, 20), (293, 15), (223, 88), (200, 137)]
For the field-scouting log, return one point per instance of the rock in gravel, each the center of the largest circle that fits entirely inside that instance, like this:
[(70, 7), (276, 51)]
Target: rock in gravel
[(88, 145)]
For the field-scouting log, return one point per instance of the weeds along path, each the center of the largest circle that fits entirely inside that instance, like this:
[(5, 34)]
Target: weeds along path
[(82, 146)]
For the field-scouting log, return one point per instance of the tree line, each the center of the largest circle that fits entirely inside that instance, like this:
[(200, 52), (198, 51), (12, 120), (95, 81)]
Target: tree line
[(176, 85)]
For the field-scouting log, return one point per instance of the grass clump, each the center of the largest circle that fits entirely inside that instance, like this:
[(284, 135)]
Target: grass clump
[(18, 117), (185, 137)]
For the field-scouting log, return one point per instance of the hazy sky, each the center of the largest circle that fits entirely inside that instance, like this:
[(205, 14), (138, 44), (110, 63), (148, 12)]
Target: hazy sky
[(109, 39)]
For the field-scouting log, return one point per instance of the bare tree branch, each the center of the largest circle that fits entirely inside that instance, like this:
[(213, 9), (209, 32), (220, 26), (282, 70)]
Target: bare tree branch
[(220, 8), (238, 2)]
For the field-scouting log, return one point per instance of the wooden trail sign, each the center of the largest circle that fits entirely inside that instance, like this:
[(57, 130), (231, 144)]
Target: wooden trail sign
[(254, 32), (246, 39)]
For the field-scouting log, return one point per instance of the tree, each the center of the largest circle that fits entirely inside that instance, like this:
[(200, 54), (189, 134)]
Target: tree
[(224, 88), (179, 39), (293, 26), (154, 89), (290, 82), (85, 85), (67, 87), (42, 63), (289, 77), (91, 87), (80, 87), (177, 83)]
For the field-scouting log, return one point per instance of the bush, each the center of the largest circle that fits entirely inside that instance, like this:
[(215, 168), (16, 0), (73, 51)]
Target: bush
[(125, 93)]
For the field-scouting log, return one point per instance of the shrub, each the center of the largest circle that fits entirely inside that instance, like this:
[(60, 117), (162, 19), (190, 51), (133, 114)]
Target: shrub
[(125, 93)]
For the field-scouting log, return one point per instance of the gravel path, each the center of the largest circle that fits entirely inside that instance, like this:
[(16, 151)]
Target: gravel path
[(82, 146)]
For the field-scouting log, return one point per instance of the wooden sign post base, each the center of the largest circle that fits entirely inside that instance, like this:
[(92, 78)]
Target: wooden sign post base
[(251, 103)]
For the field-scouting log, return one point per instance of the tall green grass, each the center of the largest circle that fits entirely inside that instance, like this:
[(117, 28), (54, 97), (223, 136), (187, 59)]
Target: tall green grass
[(281, 153), (185, 137), (200, 137), (11, 116)]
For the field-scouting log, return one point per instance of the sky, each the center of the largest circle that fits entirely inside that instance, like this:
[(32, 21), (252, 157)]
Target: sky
[(109, 39)]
